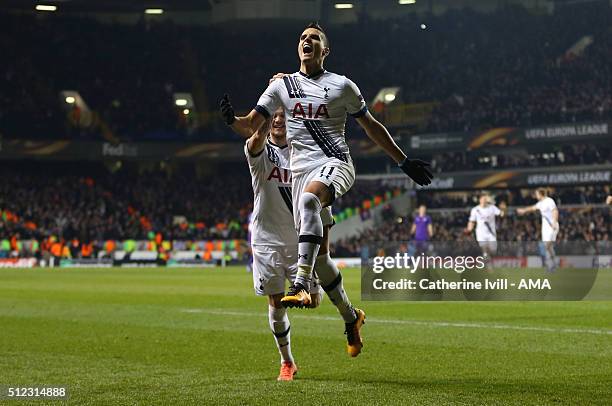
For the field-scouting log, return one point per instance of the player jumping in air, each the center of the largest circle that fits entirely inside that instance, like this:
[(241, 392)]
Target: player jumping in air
[(482, 217), (316, 103), (273, 236), (550, 224)]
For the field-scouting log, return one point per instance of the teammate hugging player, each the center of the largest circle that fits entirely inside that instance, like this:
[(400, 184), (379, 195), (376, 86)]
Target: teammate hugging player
[(550, 225), (273, 237), (316, 103), (482, 217)]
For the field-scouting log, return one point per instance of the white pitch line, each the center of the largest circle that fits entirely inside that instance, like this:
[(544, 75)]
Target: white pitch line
[(417, 322)]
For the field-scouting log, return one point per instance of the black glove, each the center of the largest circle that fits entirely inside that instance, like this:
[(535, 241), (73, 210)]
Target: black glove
[(227, 110), (417, 171)]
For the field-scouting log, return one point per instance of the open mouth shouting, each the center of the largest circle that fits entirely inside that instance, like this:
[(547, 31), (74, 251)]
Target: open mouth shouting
[(307, 48)]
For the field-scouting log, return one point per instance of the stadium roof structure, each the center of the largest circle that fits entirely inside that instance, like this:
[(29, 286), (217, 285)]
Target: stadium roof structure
[(278, 7), (211, 11), (112, 5)]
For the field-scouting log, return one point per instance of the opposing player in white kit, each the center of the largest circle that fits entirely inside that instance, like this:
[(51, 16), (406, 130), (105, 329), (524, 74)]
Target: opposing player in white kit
[(482, 217), (550, 224), (273, 236), (316, 103)]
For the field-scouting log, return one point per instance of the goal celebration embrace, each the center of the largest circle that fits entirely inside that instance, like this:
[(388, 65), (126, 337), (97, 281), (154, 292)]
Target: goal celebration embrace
[(255, 202), (315, 104)]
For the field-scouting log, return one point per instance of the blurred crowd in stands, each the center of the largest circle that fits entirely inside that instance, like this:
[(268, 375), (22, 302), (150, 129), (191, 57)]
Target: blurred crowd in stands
[(478, 75), (576, 224), (87, 205), (122, 205), (87, 208), (565, 154), (577, 195)]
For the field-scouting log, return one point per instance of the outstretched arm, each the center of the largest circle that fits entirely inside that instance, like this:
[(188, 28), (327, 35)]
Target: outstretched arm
[(525, 210), (414, 168), (379, 134), (244, 126)]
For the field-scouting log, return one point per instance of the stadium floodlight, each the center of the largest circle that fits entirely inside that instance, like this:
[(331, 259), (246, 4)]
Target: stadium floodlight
[(184, 101), (386, 95), (407, 2), (45, 7), (70, 99), (343, 5), (154, 11), (389, 97)]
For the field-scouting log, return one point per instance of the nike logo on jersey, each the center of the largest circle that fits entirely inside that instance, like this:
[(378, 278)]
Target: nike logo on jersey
[(282, 175), (305, 111)]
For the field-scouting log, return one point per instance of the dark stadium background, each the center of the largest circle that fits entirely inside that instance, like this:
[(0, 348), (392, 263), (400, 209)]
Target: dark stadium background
[(124, 162), (125, 200)]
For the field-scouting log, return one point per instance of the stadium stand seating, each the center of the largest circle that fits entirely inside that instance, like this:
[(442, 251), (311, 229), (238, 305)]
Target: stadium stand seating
[(127, 73)]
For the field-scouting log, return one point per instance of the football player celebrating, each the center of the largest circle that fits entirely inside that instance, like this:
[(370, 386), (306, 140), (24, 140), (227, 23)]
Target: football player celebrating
[(273, 236), (316, 103), (550, 224), (482, 217)]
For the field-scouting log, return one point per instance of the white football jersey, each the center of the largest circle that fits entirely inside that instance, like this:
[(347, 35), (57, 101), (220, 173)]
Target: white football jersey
[(484, 217), (546, 207), (272, 217), (315, 109)]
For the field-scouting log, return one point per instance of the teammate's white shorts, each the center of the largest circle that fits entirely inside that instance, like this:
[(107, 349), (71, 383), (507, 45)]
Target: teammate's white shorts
[(334, 173), (488, 246), (272, 266), (549, 234)]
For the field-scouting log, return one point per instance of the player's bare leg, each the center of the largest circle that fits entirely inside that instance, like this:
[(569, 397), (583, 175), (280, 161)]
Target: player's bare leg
[(316, 196)]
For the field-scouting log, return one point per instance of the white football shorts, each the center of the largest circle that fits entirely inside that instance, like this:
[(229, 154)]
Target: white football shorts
[(272, 266), (338, 175)]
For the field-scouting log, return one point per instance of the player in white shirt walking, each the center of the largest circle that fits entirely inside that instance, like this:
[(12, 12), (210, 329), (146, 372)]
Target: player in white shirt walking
[(550, 224), (482, 217), (316, 103), (273, 236)]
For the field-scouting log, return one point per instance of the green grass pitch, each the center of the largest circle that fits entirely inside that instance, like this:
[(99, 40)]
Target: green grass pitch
[(201, 336)]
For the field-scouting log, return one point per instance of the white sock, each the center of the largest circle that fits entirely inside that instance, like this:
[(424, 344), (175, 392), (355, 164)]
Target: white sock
[(310, 237), (331, 281), (279, 323)]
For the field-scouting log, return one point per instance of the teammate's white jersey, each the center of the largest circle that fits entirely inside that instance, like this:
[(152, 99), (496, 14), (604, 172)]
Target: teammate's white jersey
[(484, 217), (272, 218), (315, 109), (546, 207)]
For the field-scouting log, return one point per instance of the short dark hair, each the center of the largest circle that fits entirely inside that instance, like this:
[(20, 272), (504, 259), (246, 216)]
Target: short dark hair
[(317, 26)]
